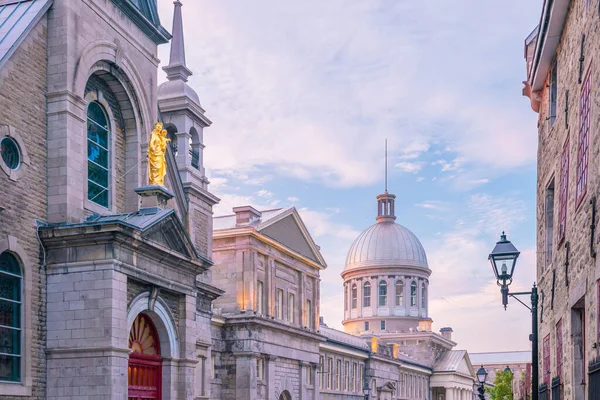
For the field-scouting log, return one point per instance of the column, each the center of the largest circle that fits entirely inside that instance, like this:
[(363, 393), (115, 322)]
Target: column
[(245, 376), (303, 390), (316, 379), (270, 371), (450, 394)]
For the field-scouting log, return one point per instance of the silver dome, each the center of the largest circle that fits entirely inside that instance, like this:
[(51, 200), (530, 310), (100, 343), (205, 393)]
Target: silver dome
[(386, 244)]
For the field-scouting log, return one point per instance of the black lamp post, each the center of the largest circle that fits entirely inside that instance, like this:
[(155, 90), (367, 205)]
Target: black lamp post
[(503, 259), (481, 377), (366, 390)]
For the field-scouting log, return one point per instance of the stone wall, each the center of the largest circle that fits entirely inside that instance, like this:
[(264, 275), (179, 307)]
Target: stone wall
[(23, 107), (565, 290)]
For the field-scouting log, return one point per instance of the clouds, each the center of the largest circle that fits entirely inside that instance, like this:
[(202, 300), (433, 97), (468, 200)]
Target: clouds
[(309, 90), (303, 95)]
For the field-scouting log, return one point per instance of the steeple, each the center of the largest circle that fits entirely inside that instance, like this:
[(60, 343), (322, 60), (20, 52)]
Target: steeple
[(177, 70), (385, 201)]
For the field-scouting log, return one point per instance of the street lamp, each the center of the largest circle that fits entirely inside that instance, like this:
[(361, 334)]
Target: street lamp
[(366, 390), (503, 259), (481, 377)]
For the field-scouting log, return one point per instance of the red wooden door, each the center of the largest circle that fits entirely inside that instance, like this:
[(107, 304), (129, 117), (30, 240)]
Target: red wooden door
[(144, 374)]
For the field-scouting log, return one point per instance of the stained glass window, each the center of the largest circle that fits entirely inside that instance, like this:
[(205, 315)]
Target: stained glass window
[(10, 318), (98, 155), (10, 153)]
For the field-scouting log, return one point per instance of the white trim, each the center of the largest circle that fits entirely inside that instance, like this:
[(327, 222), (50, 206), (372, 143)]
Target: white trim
[(164, 325)]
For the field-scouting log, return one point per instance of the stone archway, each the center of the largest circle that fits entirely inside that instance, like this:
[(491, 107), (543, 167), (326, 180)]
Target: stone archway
[(285, 395), (144, 371)]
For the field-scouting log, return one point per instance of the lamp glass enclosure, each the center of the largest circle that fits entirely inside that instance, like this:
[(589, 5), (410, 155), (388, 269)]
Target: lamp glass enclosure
[(481, 375)]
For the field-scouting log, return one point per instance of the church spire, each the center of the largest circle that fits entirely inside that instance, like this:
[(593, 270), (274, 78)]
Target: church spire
[(177, 70), (385, 201)]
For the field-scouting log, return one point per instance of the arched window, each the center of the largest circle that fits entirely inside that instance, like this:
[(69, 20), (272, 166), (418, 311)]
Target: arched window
[(98, 155), (367, 294), (382, 294), (11, 281), (423, 296), (354, 296), (413, 294), (345, 298), (399, 293)]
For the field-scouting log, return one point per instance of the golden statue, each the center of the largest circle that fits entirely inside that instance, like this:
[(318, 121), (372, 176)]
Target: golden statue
[(157, 149)]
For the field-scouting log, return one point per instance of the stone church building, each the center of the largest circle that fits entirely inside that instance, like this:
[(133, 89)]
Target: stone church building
[(112, 289)]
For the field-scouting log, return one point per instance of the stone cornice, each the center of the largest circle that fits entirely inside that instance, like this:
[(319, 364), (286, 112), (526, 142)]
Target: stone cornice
[(252, 321), (157, 33), (250, 231), (63, 237)]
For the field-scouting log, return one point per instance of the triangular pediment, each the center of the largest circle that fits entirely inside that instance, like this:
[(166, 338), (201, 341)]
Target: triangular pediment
[(169, 232), (289, 230)]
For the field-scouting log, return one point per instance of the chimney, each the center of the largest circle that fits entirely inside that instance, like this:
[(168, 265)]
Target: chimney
[(446, 333), (246, 215)]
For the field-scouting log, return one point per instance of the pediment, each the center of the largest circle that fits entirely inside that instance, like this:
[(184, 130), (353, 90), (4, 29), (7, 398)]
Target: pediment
[(388, 387), (289, 230), (170, 233)]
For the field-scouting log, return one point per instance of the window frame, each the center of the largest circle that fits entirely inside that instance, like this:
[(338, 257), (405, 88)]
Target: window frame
[(24, 387), (423, 295), (279, 304), (354, 296), (109, 155), (549, 202), (291, 307), (546, 360), (259, 297), (260, 368), (583, 141), (399, 293), (367, 326), (563, 195), (559, 350), (413, 294), (17, 328), (382, 285), (382, 325), (367, 298), (552, 94)]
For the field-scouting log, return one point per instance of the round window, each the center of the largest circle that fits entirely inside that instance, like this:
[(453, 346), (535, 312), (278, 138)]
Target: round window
[(10, 153)]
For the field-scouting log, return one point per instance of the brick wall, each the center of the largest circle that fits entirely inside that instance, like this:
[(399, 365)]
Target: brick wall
[(23, 106)]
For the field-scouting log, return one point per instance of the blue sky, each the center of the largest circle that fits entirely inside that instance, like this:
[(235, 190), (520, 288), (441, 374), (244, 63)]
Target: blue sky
[(302, 96)]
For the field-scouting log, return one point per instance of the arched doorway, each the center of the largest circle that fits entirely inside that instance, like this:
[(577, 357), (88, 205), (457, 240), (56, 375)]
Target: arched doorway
[(285, 395), (144, 373)]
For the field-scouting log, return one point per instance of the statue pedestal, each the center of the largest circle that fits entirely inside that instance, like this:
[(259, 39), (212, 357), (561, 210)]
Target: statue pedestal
[(154, 196)]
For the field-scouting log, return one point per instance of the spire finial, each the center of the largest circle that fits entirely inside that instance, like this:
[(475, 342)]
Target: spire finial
[(386, 165), (177, 70)]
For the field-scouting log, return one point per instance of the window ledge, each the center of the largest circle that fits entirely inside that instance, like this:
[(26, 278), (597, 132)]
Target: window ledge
[(14, 389)]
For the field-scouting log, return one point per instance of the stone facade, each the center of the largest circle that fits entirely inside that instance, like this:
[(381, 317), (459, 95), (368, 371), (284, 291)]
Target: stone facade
[(23, 117), (567, 266)]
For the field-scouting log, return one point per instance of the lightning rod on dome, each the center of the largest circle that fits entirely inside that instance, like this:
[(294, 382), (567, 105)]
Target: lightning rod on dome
[(386, 164)]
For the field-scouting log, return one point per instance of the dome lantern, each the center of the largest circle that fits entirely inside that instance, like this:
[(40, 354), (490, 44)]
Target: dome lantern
[(385, 207)]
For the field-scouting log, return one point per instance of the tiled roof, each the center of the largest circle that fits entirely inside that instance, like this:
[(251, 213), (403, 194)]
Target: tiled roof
[(449, 361), (502, 357), (17, 17)]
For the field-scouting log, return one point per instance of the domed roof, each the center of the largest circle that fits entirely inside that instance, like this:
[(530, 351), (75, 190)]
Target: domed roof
[(386, 244), (177, 89)]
